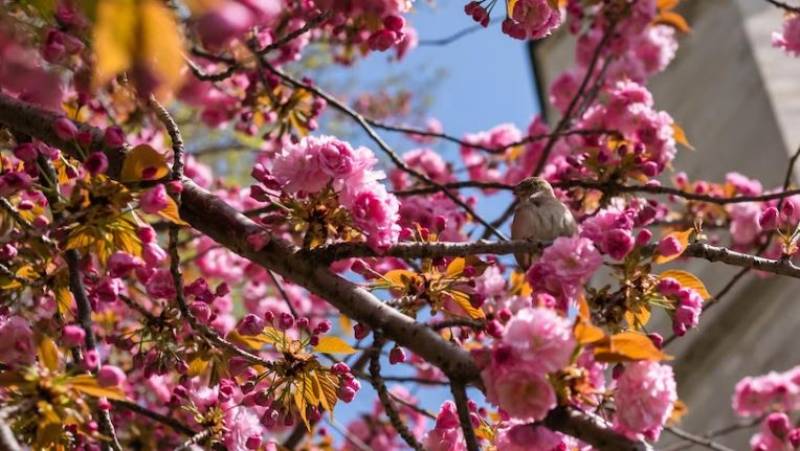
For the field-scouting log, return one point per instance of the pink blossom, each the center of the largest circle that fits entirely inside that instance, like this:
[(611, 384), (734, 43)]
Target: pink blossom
[(789, 38), (745, 226), (531, 19), (160, 285), (154, 200), (541, 338), (526, 437), (520, 390), (446, 434), (120, 264), (755, 396), (645, 396), (565, 266), (374, 211), (110, 376), (16, 340)]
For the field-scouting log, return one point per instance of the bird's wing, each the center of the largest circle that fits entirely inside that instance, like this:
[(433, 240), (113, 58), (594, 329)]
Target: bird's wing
[(524, 227)]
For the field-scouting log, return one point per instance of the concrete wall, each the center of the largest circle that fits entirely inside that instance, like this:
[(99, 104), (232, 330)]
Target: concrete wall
[(739, 102)]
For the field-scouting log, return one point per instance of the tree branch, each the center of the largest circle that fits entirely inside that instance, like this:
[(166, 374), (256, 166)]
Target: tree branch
[(696, 439), (460, 397)]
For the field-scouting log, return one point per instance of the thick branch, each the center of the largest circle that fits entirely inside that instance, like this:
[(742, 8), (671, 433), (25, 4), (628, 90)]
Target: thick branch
[(591, 429)]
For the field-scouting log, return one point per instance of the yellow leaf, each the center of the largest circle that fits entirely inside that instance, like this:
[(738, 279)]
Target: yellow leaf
[(639, 319), (680, 136), (345, 324), (88, 385), (140, 158), (627, 347), (679, 409), (170, 213), (674, 20), (456, 267), (333, 345), (48, 354), (688, 280), (254, 342), (397, 278), (300, 402), (161, 45), (683, 239), (197, 367), (114, 37), (462, 299), (137, 34)]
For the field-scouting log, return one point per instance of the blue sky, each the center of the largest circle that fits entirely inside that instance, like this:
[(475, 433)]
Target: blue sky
[(475, 83)]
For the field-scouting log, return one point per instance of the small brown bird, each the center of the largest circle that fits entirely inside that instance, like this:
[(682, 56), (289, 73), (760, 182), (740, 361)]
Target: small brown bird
[(539, 216)]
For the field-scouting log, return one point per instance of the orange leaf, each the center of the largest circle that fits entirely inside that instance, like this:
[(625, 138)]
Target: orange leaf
[(683, 239), (170, 213), (628, 347), (687, 280), (587, 333), (680, 136), (637, 320), (333, 345), (674, 20), (398, 278), (140, 159)]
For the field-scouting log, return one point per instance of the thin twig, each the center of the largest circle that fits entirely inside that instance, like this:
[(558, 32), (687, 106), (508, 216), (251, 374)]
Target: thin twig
[(696, 439), (196, 439), (460, 397), (155, 416), (466, 31), (784, 5), (383, 394)]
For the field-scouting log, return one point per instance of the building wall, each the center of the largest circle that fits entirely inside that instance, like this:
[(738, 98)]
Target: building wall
[(739, 102)]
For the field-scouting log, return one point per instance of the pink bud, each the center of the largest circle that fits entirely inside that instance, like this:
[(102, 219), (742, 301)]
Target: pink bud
[(494, 328), (146, 234), (396, 355), (121, 263), (26, 152), (65, 129), (779, 424), (668, 286), (154, 200), (794, 438), (768, 219), (110, 376), (394, 22), (669, 246), (657, 339), (73, 335), (340, 368), (91, 360), (285, 321), (251, 325), (643, 237), (201, 311), (382, 40), (253, 442), (97, 163), (360, 331), (323, 328), (114, 137)]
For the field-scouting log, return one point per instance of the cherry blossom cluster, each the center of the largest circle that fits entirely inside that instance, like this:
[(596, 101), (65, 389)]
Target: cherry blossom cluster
[(773, 397), (325, 164)]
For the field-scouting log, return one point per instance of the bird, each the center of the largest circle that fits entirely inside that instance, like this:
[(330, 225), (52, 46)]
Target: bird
[(539, 216)]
